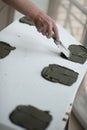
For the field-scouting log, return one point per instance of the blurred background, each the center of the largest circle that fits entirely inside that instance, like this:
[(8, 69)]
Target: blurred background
[(71, 14)]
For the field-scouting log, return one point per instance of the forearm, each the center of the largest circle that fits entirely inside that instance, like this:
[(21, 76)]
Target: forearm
[(43, 23), (25, 7)]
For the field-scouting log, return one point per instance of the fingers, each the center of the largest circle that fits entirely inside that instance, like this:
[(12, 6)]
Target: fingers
[(46, 26), (49, 31), (55, 30), (52, 29), (45, 29)]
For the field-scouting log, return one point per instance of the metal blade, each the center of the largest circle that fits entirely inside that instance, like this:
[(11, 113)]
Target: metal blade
[(62, 48)]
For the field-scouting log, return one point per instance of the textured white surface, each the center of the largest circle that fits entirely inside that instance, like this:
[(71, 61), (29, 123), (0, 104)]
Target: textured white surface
[(20, 74)]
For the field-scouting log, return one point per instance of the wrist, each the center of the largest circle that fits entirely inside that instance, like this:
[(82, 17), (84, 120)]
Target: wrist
[(36, 15)]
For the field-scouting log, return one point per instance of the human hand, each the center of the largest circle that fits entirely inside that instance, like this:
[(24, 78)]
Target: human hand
[(43, 22), (46, 25)]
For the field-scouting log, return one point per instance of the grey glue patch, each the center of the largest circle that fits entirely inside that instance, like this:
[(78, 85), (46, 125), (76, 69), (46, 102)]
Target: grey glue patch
[(5, 49), (59, 74), (30, 118), (26, 20), (78, 53)]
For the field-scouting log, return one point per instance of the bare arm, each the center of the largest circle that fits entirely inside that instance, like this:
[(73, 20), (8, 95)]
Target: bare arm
[(43, 22)]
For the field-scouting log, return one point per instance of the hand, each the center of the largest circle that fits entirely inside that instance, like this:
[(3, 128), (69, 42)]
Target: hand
[(46, 25)]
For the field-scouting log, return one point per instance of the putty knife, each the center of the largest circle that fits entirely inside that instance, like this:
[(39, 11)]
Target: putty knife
[(62, 48)]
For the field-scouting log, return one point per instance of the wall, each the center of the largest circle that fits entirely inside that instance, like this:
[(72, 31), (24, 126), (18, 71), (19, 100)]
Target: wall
[(53, 8), (6, 15), (42, 4)]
